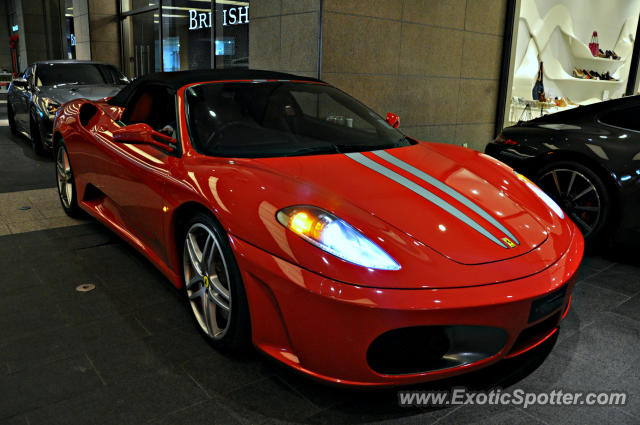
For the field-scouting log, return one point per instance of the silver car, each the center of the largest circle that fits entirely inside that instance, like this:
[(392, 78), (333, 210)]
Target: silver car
[(34, 98)]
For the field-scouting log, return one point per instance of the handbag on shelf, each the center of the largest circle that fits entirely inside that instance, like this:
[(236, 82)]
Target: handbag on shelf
[(594, 46), (538, 88)]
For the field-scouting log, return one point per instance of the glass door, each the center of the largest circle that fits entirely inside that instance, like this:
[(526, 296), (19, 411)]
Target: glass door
[(141, 41)]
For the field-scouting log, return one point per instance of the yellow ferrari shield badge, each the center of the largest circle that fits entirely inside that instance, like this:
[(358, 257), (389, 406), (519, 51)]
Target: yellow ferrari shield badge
[(206, 281), (509, 242)]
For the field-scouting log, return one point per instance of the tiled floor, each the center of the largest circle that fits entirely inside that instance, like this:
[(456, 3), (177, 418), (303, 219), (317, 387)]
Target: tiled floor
[(32, 210), (127, 352), (28, 198)]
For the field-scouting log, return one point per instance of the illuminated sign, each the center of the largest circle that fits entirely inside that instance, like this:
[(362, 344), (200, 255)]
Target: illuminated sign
[(231, 16)]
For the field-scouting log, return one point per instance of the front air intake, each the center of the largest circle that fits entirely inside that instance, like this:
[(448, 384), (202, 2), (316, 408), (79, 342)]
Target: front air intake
[(421, 349)]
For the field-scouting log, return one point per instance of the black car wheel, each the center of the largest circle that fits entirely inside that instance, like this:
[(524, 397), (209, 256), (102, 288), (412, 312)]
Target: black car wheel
[(65, 182), (580, 193), (36, 137), (213, 284), (11, 117)]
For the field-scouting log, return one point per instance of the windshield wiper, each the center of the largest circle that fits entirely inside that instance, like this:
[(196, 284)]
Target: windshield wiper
[(362, 148), (314, 150)]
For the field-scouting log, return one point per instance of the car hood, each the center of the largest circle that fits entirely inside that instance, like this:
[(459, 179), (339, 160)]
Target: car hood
[(65, 93), (463, 204)]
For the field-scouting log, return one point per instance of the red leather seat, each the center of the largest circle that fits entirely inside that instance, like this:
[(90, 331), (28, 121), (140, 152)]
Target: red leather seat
[(142, 109)]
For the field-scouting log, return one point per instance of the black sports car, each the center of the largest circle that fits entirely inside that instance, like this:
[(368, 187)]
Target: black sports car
[(588, 160), (34, 97)]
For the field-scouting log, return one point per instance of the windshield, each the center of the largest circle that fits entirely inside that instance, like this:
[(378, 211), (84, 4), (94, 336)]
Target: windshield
[(268, 119), (53, 74)]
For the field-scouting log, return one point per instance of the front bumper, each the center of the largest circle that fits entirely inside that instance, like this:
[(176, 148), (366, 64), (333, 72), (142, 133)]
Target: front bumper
[(325, 328)]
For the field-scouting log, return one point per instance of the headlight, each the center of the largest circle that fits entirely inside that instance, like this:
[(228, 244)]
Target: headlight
[(50, 105), (335, 236), (545, 198)]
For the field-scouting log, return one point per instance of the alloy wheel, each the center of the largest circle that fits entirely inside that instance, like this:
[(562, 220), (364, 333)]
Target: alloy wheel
[(65, 184), (206, 276), (577, 196)]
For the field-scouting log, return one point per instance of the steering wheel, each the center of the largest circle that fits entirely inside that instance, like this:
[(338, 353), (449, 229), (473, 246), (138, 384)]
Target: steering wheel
[(214, 133)]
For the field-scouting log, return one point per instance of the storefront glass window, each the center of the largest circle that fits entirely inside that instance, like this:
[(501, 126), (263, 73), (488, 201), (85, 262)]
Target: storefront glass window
[(568, 53), (127, 5), (141, 44), (232, 34), (187, 35), (70, 30)]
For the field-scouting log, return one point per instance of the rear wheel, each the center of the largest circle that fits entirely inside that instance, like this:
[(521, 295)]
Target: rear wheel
[(65, 181), (213, 284), (36, 137), (581, 194), (11, 117)]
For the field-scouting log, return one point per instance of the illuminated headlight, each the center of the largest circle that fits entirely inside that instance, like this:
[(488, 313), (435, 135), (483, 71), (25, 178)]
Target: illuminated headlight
[(50, 105), (545, 198), (335, 236)]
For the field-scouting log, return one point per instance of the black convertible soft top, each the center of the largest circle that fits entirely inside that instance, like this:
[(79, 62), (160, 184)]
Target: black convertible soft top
[(175, 80)]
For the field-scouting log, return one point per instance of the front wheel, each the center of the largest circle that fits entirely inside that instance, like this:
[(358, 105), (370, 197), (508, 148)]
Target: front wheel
[(581, 194), (65, 181), (213, 284)]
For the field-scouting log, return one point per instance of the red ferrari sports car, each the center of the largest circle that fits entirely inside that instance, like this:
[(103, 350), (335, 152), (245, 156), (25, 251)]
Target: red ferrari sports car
[(296, 219)]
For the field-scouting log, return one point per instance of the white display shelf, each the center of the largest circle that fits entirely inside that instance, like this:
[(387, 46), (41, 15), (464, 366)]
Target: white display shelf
[(601, 60), (581, 51), (557, 72), (590, 81), (600, 65)]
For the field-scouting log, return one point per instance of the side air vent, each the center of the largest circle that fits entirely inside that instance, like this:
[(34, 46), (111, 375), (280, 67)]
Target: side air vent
[(87, 111)]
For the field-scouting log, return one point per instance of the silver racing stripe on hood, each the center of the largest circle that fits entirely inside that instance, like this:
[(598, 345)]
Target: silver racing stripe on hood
[(446, 189), (419, 190)]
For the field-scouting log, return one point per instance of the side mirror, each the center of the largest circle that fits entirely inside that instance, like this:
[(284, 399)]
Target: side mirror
[(20, 82), (393, 120), (142, 133)]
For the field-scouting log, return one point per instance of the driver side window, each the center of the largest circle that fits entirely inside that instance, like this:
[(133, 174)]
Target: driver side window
[(155, 106)]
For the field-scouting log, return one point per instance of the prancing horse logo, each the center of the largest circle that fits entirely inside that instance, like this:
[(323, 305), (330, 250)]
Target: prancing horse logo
[(509, 242), (206, 279)]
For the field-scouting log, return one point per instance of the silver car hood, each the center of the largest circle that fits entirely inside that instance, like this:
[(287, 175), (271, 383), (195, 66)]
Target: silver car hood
[(65, 93)]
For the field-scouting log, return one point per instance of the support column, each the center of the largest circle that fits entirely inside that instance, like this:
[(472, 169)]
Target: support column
[(284, 35), (81, 28), (104, 31)]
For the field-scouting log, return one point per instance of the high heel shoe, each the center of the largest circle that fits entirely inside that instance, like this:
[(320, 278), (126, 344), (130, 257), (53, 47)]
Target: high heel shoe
[(610, 54), (560, 103), (595, 75)]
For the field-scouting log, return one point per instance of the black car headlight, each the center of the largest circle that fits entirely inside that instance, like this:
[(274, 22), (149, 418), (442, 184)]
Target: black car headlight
[(51, 106)]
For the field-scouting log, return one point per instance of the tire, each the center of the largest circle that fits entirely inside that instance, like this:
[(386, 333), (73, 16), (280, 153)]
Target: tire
[(581, 194), (11, 117), (36, 137), (213, 284), (65, 181)]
